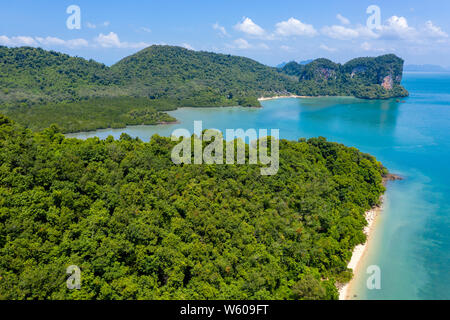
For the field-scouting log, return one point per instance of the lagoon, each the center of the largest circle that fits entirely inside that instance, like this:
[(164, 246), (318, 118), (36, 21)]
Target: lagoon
[(411, 242)]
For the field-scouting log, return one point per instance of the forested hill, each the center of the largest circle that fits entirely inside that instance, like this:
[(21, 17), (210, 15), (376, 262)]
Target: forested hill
[(38, 85), (141, 227), (199, 78), (370, 78)]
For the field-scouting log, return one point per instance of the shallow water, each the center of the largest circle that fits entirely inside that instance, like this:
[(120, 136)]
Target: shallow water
[(411, 243)]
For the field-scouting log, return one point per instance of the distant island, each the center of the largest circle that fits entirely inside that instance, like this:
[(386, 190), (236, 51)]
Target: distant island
[(281, 65), (40, 88)]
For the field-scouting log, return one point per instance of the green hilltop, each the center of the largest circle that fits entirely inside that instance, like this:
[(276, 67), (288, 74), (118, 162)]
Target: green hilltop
[(38, 86)]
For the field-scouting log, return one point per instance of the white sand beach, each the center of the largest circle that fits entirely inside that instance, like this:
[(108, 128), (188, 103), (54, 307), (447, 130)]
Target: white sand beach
[(360, 250), (281, 97)]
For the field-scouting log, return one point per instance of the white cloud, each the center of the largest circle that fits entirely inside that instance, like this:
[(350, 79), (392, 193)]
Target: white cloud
[(366, 46), (112, 40), (221, 29), (45, 42), (250, 28), (241, 44), (17, 41), (91, 25), (340, 32), (326, 48), (398, 28), (395, 28), (52, 41), (348, 33), (108, 41), (434, 31), (106, 24), (285, 48), (187, 46), (294, 27), (343, 19)]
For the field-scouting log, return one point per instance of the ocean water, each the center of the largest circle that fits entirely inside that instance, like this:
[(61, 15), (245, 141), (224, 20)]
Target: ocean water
[(411, 242)]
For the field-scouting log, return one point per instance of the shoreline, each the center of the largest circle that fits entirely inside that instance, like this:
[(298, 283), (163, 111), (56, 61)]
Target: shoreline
[(360, 250), (282, 97)]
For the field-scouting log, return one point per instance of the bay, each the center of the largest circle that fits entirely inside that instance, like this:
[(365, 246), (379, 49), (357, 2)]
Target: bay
[(411, 242)]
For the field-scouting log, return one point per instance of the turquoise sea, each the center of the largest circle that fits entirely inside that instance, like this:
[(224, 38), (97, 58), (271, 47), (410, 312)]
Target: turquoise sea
[(411, 243)]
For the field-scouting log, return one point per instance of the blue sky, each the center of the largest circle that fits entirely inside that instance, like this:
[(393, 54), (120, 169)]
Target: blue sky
[(267, 31)]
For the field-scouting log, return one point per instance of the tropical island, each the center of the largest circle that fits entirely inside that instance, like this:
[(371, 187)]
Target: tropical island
[(141, 227), (39, 88)]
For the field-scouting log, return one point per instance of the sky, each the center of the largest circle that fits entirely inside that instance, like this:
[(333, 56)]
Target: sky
[(270, 32)]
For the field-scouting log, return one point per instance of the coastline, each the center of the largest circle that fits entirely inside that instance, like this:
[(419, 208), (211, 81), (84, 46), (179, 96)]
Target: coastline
[(281, 97), (360, 250)]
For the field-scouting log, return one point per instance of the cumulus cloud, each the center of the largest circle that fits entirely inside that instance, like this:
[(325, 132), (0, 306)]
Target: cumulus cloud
[(53, 41), (40, 41), (241, 44), (343, 19), (347, 33), (340, 32), (294, 27), (327, 48), (112, 40), (250, 28), (17, 41), (397, 28), (434, 31), (221, 29)]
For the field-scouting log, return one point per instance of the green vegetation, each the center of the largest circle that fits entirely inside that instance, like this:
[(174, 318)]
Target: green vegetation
[(140, 227), (95, 113), (368, 78), (169, 77)]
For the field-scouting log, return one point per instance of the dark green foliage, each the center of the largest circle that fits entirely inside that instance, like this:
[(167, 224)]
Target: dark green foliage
[(174, 72), (34, 75), (361, 77), (140, 227), (293, 69), (33, 79)]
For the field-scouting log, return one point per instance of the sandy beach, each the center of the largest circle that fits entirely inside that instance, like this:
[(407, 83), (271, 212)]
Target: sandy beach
[(360, 250), (281, 97)]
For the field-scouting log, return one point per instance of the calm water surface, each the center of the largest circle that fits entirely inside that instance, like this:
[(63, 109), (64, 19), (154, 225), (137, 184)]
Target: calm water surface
[(411, 243)]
